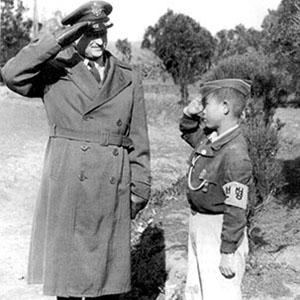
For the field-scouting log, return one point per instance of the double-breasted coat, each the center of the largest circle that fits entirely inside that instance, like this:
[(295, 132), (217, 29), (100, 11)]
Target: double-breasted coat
[(97, 155)]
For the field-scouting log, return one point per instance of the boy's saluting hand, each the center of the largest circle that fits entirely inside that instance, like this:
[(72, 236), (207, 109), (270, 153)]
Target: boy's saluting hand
[(194, 108)]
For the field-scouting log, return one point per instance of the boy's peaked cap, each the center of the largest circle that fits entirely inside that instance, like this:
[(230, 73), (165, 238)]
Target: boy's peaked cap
[(237, 84)]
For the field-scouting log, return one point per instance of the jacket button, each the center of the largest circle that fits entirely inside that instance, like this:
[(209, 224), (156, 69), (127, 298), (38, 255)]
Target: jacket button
[(203, 152), (119, 123), (85, 148), (82, 176), (115, 152), (112, 180)]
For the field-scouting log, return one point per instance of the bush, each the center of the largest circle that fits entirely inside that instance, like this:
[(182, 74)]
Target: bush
[(261, 132), (245, 66), (270, 82), (15, 30)]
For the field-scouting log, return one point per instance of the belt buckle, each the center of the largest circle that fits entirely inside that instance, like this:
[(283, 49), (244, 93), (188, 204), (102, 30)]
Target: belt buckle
[(120, 140)]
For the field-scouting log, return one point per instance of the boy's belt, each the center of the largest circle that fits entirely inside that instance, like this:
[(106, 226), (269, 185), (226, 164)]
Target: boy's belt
[(104, 138)]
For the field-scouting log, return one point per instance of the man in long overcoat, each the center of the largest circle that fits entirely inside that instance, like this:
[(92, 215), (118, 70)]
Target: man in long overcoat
[(96, 173)]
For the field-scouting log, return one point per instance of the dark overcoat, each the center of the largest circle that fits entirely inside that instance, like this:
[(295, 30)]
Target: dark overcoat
[(80, 242)]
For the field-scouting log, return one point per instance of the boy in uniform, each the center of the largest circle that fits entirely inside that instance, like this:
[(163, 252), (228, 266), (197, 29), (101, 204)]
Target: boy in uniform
[(219, 176)]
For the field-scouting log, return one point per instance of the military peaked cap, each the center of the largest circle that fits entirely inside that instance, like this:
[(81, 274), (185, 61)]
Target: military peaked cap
[(95, 12), (237, 84)]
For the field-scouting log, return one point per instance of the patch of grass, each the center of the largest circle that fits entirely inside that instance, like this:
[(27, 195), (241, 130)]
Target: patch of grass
[(162, 101), (268, 279), (162, 108)]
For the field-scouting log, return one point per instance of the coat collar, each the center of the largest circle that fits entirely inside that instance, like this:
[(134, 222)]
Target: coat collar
[(116, 79), (226, 138), (78, 72), (209, 148)]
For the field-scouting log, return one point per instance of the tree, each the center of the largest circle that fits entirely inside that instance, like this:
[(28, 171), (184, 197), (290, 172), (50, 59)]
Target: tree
[(184, 47), (282, 41), (236, 41), (54, 23), (125, 48), (15, 31)]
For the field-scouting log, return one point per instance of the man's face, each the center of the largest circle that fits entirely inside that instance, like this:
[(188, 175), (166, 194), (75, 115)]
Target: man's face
[(92, 46)]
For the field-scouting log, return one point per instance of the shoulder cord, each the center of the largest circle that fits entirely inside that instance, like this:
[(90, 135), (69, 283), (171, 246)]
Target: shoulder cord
[(191, 187)]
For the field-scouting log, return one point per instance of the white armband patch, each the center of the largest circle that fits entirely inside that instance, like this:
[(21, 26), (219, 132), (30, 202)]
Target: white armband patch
[(236, 194)]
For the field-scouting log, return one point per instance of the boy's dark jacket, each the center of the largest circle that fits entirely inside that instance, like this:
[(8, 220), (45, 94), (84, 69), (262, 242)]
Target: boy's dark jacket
[(220, 162)]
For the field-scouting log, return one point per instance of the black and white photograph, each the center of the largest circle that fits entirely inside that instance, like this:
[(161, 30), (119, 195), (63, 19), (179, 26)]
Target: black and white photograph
[(150, 150)]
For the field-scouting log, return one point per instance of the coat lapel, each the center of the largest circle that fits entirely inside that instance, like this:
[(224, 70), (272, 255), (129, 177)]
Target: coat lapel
[(84, 80), (78, 73), (115, 81)]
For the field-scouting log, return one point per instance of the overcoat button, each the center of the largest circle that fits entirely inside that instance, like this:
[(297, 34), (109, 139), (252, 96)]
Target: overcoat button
[(203, 152), (85, 148), (119, 123), (115, 152), (112, 180), (82, 176), (86, 118)]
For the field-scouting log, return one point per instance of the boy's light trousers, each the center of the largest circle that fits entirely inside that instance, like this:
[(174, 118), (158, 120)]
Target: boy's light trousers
[(204, 279)]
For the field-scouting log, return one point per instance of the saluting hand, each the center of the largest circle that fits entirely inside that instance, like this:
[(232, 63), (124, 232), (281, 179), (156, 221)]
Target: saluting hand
[(226, 266), (68, 35), (195, 107)]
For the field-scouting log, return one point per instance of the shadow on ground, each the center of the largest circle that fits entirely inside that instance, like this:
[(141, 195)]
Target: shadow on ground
[(291, 190), (148, 265)]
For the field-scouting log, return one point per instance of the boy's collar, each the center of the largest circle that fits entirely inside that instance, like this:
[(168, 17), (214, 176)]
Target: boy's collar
[(225, 137), (214, 137), (209, 148)]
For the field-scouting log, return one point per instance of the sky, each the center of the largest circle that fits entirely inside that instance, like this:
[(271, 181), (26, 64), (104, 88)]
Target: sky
[(132, 17)]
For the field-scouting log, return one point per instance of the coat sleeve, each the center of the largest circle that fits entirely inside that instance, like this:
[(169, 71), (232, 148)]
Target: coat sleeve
[(23, 73), (237, 181), (191, 130), (139, 157)]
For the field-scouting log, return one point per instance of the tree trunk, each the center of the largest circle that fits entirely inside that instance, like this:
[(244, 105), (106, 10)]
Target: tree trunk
[(184, 93)]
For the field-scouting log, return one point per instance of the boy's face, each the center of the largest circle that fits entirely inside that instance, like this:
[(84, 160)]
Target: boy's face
[(213, 112)]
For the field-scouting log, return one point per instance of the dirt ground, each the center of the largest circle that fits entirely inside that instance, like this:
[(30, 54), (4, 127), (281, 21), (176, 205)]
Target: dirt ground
[(272, 273)]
